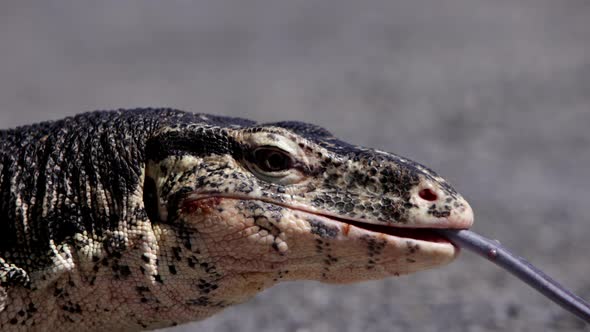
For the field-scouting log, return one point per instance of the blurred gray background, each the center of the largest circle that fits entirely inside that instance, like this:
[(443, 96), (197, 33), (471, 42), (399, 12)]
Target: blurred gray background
[(494, 95)]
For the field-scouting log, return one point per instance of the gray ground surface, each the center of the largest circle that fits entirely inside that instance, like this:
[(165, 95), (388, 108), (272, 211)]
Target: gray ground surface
[(495, 95)]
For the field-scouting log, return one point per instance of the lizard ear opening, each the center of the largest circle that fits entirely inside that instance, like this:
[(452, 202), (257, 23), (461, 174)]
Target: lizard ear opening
[(150, 199)]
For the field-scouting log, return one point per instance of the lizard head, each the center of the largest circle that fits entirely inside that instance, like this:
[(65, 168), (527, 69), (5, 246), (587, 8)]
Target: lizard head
[(287, 200)]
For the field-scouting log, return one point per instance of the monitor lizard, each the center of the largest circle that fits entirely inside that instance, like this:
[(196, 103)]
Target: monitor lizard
[(148, 218)]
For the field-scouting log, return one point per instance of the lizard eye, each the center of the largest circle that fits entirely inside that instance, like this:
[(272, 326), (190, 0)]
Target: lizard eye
[(270, 159)]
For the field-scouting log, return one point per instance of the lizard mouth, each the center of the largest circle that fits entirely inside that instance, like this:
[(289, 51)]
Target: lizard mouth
[(418, 233), (421, 234)]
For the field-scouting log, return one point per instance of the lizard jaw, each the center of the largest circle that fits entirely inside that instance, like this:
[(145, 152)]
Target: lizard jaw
[(461, 218), (422, 232), (298, 240)]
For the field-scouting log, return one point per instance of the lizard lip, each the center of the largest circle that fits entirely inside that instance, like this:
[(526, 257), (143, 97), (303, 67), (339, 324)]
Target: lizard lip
[(416, 233), (422, 234)]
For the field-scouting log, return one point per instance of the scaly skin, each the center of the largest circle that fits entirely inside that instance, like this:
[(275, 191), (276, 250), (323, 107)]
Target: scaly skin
[(142, 219)]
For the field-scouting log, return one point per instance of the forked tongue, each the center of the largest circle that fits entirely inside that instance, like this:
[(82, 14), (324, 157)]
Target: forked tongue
[(525, 271)]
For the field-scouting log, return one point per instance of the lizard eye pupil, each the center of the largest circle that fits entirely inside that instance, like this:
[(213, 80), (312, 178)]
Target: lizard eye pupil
[(272, 160)]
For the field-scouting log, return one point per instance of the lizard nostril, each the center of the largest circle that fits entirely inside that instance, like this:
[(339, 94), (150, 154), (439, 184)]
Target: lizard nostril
[(428, 195)]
